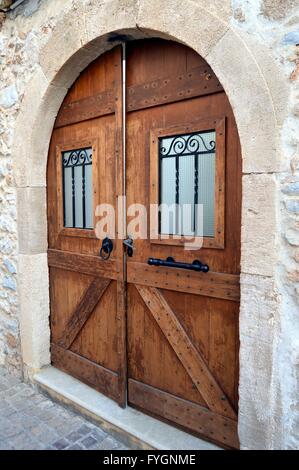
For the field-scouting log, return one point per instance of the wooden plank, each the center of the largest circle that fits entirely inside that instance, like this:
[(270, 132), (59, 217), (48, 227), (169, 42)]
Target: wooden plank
[(82, 312), (98, 377), (199, 81), (86, 264), (219, 285), (83, 109), (186, 351), (184, 413), (219, 223)]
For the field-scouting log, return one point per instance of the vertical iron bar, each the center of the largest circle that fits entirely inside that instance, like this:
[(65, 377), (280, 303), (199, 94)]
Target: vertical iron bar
[(177, 196), (195, 190), (73, 196), (83, 196), (63, 190)]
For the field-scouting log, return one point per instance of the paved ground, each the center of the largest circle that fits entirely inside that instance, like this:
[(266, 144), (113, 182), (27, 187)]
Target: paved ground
[(29, 420)]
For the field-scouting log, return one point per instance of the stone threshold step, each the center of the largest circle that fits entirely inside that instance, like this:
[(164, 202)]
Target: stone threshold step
[(134, 428)]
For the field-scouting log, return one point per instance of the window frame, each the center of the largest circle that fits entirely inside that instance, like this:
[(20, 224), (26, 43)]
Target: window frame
[(202, 125), (74, 145)]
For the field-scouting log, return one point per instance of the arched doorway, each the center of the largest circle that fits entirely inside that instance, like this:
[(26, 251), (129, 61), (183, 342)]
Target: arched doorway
[(160, 337)]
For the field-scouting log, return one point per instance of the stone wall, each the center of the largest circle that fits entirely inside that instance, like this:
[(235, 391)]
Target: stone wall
[(269, 390), (19, 43), (274, 24)]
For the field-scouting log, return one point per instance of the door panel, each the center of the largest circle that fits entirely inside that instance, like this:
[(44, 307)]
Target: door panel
[(94, 341), (162, 339), (182, 325), (87, 293), (145, 351)]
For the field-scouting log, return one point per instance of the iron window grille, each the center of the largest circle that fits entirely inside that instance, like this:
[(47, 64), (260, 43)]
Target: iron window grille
[(194, 145), (77, 188)]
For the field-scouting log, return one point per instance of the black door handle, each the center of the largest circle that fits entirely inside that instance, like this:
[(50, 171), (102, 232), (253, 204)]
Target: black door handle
[(107, 247), (128, 243), (196, 265)]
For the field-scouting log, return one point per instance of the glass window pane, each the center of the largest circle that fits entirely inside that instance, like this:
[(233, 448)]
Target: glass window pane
[(77, 188), (187, 164), (167, 197), (206, 192), (68, 209), (88, 197), (78, 197), (186, 194)]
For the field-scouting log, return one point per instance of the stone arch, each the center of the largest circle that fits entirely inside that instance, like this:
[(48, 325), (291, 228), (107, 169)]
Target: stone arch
[(247, 87)]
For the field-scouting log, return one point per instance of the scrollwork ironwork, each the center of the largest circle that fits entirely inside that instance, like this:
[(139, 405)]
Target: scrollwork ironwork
[(188, 144), (74, 163), (76, 158)]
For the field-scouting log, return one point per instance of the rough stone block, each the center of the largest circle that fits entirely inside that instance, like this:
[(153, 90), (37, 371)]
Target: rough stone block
[(259, 225), (292, 237), (8, 96), (34, 300), (254, 437), (260, 409), (292, 188), (32, 220), (292, 205), (259, 310), (277, 9)]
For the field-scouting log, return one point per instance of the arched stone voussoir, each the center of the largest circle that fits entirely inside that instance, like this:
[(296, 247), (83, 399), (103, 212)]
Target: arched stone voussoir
[(191, 23), (33, 129), (197, 25), (76, 32), (112, 16), (251, 100), (67, 38), (272, 75)]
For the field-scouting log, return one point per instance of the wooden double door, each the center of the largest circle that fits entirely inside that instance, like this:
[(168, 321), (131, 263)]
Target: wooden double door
[(156, 336)]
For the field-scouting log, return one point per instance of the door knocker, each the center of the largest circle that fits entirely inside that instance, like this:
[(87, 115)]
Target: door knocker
[(107, 247)]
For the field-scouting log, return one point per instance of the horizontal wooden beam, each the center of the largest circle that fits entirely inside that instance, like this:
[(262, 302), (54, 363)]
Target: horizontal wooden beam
[(197, 82), (98, 377), (184, 413), (91, 107), (85, 264), (219, 285)]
